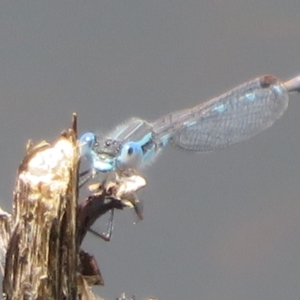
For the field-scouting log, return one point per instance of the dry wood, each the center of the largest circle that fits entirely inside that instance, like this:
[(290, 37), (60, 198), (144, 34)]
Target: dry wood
[(41, 259)]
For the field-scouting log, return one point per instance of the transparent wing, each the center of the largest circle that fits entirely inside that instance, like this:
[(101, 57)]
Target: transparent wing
[(230, 118)]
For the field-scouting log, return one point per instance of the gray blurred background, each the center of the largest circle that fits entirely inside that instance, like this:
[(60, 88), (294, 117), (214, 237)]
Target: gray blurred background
[(223, 225)]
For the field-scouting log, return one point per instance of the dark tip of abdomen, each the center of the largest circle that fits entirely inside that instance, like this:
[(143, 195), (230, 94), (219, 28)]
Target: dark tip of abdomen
[(268, 80)]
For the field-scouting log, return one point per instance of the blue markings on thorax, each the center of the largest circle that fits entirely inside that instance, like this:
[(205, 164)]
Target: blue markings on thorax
[(148, 146), (145, 140)]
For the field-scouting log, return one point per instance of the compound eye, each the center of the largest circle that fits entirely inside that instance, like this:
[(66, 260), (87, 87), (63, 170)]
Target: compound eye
[(130, 151), (131, 156), (86, 143)]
